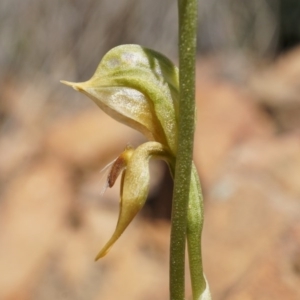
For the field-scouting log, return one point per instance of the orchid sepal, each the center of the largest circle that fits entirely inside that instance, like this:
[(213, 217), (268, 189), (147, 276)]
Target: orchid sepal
[(138, 87), (134, 185)]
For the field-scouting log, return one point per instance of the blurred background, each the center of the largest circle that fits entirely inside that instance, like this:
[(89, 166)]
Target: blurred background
[(54, 143)]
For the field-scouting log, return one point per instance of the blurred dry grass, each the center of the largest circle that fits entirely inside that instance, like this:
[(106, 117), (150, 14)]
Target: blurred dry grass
[(53, 142)]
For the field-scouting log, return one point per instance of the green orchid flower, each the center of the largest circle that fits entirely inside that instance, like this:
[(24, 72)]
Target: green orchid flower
[(140, 88)]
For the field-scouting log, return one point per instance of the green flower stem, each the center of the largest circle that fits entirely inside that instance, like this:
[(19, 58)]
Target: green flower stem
[(187, 56), (195, 220)]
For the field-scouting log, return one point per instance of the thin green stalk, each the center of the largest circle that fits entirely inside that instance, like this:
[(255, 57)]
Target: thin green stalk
[(187, 55)]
